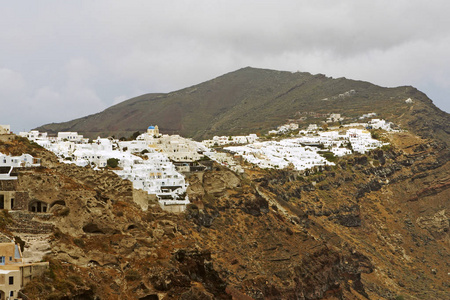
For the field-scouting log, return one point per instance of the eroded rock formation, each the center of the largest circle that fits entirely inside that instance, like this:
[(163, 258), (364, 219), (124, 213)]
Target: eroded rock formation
[(373, 227)]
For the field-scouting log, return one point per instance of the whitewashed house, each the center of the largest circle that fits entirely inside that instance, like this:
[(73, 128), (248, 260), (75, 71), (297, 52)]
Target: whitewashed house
[(178, 148), (5, 129), (8, 163), (71, 137)]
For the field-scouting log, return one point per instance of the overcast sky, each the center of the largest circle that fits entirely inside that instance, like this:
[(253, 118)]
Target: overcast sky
[(61, 60)]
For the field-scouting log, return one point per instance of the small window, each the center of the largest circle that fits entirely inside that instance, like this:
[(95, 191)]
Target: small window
[(10, 258), (11, 294), (11, 280)]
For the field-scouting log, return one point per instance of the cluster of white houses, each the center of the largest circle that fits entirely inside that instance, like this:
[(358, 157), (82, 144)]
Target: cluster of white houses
[(226, 140), (284, 129), (146, 161), (153, 161), (305, 151)]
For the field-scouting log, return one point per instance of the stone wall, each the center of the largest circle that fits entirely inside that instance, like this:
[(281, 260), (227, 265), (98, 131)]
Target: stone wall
[(33, 223), (7, 185), (33, 270), (21, 201), (7, 199)]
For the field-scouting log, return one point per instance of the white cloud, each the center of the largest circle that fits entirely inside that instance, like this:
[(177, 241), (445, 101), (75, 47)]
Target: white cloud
[(75, 58), (10, 81), (80, 72)]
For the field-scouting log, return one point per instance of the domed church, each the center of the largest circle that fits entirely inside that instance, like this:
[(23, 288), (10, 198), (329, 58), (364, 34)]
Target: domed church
[(153, 130)]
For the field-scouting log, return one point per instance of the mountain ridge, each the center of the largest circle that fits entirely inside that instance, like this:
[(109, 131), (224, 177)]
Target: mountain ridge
[(256, 100)]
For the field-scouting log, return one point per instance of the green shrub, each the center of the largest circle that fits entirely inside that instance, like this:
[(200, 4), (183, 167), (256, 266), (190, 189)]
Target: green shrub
[(135, 135), (329, 156), (386, 147), (375, 134), (112, 162)]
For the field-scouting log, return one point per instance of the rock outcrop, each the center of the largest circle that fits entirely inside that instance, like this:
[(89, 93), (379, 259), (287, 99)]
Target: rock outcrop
[(372, 227)]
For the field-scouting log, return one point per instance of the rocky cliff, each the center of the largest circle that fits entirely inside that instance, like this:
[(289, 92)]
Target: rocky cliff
[(374, 226)]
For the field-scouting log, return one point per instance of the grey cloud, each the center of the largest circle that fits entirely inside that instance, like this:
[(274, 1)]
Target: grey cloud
[(62, 60)]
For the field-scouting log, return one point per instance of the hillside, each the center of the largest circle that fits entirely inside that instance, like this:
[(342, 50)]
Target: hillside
[(374, 226), (253, 100)]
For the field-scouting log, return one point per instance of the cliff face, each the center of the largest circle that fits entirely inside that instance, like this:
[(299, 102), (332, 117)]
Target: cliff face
[(375, 226)]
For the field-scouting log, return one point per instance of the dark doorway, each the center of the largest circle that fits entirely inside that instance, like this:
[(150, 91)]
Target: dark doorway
[(38, 206)]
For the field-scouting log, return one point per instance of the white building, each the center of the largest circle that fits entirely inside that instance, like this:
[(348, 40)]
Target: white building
[(5, 129), (232, 139), (34, 135), (368, 115), (71, 137), (178, 148), (380, 124), (157, 176), (25, 160), (8, 163), (334, 118), (136, 146)]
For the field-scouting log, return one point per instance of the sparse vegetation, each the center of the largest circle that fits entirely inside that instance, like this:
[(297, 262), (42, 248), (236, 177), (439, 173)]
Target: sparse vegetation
[(329, 156), (257, 111), (204, 158), (54, 284), (387, 147), (5, 219), (375, 134)]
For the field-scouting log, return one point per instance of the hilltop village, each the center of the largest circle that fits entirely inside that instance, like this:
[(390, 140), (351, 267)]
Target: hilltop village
[(156, 163)]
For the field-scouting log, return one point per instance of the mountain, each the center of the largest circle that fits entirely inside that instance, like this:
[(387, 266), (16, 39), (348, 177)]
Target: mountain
[(253, 100), (374, 226)]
